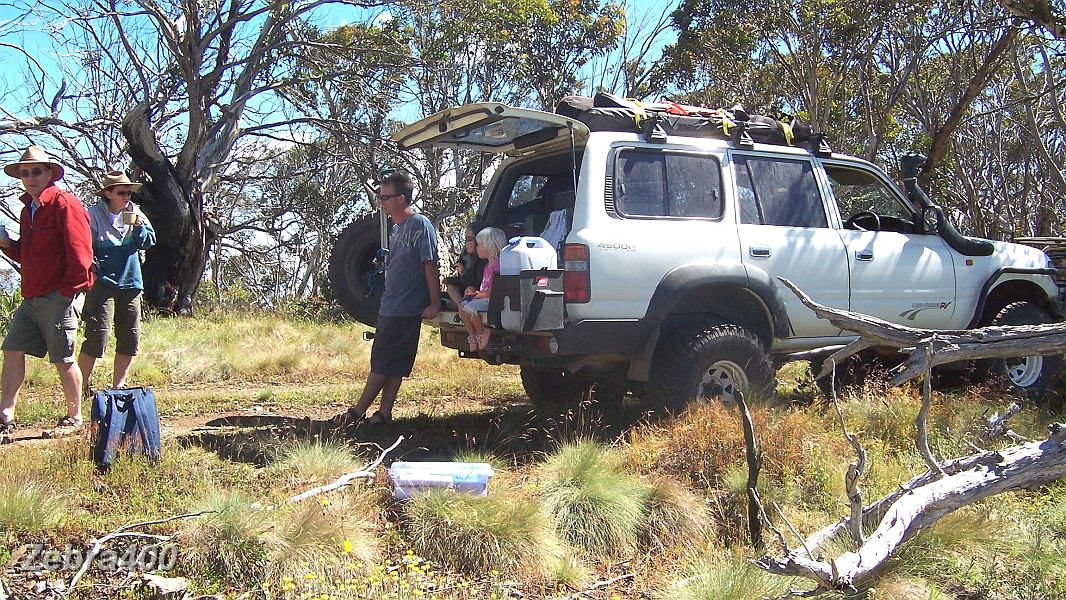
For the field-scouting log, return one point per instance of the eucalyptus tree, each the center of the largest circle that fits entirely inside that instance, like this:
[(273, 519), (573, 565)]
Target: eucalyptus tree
[(176, 86), (804, 56)]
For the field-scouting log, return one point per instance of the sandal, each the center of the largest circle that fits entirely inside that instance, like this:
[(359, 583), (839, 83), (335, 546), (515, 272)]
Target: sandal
[(483, 339), (347, 418), (378, 419), (7, 432), (66, 426)]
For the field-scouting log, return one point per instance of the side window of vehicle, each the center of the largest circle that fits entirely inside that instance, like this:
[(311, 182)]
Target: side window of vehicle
[(664, 184), (858, 191), (778, 191)]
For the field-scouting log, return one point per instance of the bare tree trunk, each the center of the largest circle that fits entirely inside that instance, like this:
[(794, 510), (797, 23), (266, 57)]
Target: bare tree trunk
[(174, 267), (938, 150)]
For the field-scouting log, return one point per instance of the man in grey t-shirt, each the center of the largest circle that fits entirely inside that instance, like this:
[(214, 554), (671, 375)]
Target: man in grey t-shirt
[(412, 293)]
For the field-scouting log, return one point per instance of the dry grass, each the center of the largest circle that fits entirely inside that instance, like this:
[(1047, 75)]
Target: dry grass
[(641, 505), (707, 440)]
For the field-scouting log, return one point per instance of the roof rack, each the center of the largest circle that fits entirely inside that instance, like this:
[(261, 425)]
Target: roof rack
[(657, 120)]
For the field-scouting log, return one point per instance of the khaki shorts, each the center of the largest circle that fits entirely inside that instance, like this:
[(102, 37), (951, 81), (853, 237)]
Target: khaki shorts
[(46, 323), (104, 303)]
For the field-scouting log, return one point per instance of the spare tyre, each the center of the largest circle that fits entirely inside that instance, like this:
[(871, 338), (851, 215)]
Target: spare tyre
[(355, 278)]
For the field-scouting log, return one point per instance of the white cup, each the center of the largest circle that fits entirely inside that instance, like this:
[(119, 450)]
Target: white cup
[(128, 217)]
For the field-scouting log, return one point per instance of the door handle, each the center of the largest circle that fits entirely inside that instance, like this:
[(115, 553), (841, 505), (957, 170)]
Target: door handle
[(864, 255), (759, 251)]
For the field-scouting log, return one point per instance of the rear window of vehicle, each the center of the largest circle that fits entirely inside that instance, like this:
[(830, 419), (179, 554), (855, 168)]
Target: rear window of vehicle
[(667, 184), (778, 191)]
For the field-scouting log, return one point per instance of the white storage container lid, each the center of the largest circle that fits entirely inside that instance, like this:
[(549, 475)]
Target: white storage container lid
[(458, 472)]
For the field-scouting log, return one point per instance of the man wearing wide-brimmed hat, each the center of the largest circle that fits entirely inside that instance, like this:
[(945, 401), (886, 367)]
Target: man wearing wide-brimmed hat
[(55, 252), (120, 232)]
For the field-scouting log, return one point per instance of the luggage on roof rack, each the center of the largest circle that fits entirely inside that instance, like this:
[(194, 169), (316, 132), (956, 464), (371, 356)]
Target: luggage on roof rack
[(606, 112)]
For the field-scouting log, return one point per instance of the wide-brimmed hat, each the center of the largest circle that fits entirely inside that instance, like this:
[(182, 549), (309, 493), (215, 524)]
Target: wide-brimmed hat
[(114, 178), (35, 155)]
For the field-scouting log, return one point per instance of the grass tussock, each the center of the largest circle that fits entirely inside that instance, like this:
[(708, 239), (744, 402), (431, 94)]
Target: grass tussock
[(316, 460), (242, 542), (470, 534), (676, 519), (596, 505), (724, 577), (329, 538), (28, 505), (232, 542)]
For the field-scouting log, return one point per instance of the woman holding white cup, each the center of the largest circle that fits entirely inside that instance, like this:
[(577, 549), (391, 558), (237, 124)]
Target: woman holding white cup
[(120, 232)]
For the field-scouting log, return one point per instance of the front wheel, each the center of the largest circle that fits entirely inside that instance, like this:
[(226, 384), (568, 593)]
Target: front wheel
[(1034, 377), (712, 361)]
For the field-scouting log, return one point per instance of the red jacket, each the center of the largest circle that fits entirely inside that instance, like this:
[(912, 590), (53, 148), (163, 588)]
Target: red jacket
[(56, 249)]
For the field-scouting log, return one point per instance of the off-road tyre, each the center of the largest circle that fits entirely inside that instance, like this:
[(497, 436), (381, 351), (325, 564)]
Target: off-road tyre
[(701, 360), (1032, 377), (353, 276), (555, 389)]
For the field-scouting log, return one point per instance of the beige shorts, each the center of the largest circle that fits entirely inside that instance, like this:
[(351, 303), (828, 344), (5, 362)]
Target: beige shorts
[(46, 323), (103, 304)]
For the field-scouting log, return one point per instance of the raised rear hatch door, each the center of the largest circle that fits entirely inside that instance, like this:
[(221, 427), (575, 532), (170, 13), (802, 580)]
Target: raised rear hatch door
[(493, 127)]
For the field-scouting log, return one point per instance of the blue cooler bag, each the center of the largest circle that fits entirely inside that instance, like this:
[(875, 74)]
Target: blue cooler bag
[(127, 417)]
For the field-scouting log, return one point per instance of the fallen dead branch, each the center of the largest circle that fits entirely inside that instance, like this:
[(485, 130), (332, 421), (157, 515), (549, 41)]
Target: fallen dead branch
[(599, 585), (946, 486), (921, 502), (346, 479), (124, 532)]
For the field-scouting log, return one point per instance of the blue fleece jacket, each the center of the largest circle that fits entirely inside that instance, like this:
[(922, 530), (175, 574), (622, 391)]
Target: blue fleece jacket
[(116, 246)]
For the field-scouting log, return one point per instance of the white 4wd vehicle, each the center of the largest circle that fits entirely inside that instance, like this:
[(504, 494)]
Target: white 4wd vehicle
[(675, 243)]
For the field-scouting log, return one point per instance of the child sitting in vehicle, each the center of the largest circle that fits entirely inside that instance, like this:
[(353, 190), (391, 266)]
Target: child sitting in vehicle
[(490, 242), (469, 268)]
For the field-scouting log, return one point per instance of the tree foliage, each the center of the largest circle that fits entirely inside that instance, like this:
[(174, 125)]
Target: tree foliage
[(255, 124)]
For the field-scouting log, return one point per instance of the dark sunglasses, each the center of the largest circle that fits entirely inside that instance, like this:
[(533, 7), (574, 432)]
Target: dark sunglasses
[(33, 172), (122, 193)]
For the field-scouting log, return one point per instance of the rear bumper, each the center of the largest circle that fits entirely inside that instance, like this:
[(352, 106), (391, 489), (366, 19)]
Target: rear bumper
[(619, 337)]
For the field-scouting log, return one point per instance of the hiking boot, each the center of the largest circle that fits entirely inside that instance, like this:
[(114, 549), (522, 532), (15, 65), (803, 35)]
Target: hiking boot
[(66, 426), (7, 432)]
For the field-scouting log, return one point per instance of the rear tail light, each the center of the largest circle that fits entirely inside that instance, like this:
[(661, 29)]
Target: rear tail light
[(576, 283)]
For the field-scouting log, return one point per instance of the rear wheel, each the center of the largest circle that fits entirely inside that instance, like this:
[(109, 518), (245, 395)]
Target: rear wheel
[(712, 361), (353, 275), (1031, 376), (555, 388)]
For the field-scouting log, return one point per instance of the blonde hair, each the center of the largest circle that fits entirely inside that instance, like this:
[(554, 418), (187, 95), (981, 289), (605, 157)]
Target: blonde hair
[(493, 239)]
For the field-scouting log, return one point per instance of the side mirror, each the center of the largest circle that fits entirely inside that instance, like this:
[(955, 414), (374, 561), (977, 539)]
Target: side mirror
[(930, 219)]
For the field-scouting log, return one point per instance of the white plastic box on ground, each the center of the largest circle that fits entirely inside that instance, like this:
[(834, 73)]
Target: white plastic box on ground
[(409, 478)]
